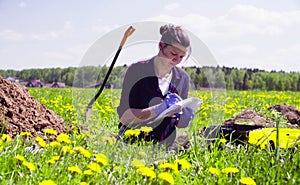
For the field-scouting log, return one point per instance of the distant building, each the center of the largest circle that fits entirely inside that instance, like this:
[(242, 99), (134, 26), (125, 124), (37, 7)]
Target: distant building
[(34, 83), (12, 79)]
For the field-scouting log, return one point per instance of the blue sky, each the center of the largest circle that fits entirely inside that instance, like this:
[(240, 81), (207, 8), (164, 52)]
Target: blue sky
[(59, 33)]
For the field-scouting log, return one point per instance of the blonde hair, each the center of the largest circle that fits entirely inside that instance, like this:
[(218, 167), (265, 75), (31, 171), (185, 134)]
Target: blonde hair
[(171, 35)]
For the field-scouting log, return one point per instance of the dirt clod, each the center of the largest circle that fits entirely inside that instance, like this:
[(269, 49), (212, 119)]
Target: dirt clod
[(250, 117), (21, 112), (291, 113)]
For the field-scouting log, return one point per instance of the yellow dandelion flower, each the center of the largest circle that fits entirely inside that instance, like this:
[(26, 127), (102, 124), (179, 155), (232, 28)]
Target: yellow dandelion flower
[(95, 167), (214, 171), (53, 159), (6, 137), (88, 172), (230, 170), (84, 183), (132, 132), (223, 141), (166, 176), (56, 157), (20, 158), (41, 141), (50, 131), (83, 152), (109, 140), (184, 164), (75, 169), (66, 149), (47, 182), (137, 163), (29, 165), (146, 129), (26, 134), (63, 138), (101, 158), (147, 172), (169, 166), (55, 144), (247, 181), (142, 154)]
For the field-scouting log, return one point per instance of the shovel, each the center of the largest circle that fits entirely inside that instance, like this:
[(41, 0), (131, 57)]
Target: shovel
[(88, 111)]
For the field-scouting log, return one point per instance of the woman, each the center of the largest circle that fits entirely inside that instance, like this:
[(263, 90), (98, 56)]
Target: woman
[(152, 86)]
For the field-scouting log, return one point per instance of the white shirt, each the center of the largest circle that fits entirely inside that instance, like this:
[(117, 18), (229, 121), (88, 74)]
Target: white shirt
[(164, 83)]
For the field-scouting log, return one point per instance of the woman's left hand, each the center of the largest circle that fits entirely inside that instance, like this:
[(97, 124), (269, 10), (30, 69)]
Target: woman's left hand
[(186, 117)]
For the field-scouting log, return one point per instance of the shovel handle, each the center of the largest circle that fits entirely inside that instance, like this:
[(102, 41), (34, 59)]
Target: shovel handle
[(127, 33)]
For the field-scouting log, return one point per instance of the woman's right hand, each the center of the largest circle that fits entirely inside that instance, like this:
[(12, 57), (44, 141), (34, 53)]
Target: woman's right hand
[(169, 100)]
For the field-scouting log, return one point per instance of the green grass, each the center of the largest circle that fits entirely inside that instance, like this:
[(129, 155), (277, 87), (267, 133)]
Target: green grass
[(264, 166)]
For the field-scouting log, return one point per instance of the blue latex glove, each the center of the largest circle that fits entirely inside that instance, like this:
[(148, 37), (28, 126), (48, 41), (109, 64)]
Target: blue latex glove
[(185, 118), (169, 100)]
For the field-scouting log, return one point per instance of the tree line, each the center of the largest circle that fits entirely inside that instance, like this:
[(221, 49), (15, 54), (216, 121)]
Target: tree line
[(207, 77)]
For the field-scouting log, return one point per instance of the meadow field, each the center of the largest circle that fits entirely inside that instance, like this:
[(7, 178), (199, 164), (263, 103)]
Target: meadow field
[(88, 155)]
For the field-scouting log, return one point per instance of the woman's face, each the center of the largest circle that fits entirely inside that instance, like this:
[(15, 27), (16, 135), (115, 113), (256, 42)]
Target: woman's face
[(172, 52)]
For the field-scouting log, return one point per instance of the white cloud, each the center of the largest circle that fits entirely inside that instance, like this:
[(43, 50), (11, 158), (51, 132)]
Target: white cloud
[(245, 36), (22, 4), (102, 29), (287, 58), (52, 35), (67, 57), (243, 49), (68, 24), (58, 55), (10, 35), (64, 32), (172, 6), (260, 16), (241, 20)]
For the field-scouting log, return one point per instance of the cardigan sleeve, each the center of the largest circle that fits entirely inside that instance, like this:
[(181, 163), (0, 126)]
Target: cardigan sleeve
[(126, 88)]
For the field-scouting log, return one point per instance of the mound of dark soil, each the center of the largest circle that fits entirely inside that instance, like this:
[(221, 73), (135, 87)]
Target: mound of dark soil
[(20, 112), (291, 113), (249, 117)]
